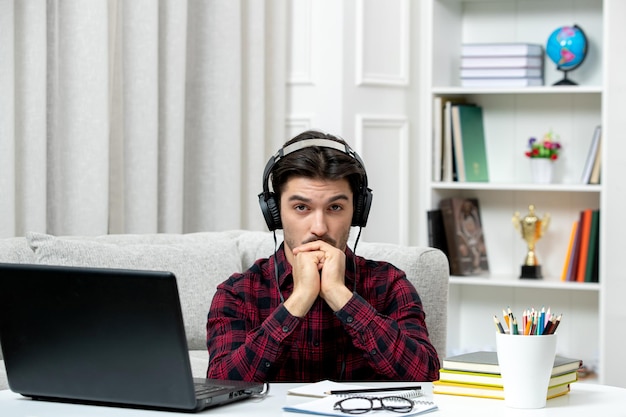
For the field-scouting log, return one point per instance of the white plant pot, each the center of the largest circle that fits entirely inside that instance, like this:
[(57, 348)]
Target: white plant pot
[(541, 170)]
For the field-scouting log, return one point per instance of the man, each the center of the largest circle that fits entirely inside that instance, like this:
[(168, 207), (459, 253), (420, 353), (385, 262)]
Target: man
[(315, 310)]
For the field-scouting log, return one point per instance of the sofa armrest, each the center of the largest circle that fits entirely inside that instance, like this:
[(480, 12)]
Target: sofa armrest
[(199, 360), (15, 250)]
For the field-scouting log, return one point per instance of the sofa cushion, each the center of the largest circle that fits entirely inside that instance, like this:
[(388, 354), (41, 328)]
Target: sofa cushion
[(200, 262)]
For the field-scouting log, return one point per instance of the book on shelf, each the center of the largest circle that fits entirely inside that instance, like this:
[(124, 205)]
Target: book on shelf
[(575, 256), (501, 72), (591, 271), (448, 148), (502, 62), (457, 144), (585, 226), (595, 171), (467, 252), (436, 231), (482, 391), (502, 82), (469, 143), (501, 49), (495, 380), (487, 362), (437, 174), (570, 250), (443, 169), (591, 155), (595, 274), (581, 260)]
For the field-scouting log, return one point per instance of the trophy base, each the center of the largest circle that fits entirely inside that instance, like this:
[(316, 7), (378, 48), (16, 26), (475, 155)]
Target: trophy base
[(531, 272)]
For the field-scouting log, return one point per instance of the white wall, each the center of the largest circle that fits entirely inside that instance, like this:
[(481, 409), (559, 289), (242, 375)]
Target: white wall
[(352, 72)]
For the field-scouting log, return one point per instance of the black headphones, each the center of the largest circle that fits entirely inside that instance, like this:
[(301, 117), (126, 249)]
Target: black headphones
[(267, 199)]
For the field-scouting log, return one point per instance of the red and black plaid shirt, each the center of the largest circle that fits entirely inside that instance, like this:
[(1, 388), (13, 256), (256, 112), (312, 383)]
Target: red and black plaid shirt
[(380, 334)]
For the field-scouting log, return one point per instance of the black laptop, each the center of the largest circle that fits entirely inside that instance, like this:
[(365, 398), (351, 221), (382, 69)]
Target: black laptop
[(102, 336)]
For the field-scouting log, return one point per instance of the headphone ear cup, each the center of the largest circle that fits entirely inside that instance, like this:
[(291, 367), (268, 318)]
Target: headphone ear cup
[(270, 211), (362, 208)]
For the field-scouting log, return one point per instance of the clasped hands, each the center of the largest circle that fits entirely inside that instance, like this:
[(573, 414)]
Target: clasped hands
[(318, 270)]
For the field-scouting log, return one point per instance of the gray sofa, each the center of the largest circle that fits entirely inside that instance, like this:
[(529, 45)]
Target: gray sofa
[(202, 260)]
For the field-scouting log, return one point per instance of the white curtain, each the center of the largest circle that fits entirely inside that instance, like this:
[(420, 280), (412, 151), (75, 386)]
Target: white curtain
[(138, 116)]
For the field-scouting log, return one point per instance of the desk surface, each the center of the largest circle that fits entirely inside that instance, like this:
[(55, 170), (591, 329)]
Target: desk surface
[(584, 400)]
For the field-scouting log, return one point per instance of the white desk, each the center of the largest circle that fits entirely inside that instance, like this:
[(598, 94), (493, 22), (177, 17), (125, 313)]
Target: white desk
[(584, 400)]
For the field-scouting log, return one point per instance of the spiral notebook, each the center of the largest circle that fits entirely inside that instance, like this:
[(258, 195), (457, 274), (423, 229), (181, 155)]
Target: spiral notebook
[(324, 405), (321, 388)]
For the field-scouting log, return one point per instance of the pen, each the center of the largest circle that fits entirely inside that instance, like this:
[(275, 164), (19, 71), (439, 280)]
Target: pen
[(366, 390)]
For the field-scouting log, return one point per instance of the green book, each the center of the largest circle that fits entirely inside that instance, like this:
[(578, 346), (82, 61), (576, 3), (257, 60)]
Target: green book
[(469, 136)]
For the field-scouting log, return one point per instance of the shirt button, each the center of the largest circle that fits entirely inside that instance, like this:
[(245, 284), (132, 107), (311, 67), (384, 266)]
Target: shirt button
[(373, 352), (349, 319), (267, 364), (285, 329), (316, 343)]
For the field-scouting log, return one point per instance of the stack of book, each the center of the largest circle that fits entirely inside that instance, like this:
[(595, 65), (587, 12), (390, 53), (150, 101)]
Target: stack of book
[(477, 374), (501, 65)]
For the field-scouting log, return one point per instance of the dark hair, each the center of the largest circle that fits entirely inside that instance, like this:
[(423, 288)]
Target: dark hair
[(318, 162)]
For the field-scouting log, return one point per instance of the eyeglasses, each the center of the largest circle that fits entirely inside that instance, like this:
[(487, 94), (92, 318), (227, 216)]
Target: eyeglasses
[(361, 405)]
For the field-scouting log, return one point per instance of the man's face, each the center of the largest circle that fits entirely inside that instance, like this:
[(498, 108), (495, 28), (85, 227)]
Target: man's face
[(314, 209)]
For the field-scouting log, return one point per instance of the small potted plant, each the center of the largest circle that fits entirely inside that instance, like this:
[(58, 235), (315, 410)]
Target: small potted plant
[(542, 154)]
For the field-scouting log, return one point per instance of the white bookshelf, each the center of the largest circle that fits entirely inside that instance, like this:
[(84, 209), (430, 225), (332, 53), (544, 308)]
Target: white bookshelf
[(511, 116)]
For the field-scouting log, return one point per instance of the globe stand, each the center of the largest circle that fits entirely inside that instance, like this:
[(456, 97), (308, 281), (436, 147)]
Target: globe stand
[(565, 80)]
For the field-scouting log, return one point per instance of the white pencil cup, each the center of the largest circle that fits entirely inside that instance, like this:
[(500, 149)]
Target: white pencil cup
[(526, 366)]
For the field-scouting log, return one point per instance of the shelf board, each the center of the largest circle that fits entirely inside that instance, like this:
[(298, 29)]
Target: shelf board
[(507, 281), (579, 89), (491, 186)]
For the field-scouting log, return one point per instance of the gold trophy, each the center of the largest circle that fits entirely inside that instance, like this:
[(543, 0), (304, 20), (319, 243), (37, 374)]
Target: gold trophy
[(532, 229)]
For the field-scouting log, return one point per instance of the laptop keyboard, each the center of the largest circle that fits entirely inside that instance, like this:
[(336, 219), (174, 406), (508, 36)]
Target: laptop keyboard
[(203, 391)]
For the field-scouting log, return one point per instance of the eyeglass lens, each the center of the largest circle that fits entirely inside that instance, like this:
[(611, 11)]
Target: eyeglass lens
[(360, 405)]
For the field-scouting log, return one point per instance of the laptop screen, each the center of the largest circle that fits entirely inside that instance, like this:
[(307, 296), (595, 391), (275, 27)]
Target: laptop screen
[(103, 335)]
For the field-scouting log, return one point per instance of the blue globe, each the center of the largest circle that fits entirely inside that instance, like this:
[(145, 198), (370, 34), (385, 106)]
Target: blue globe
[(567, 47)]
